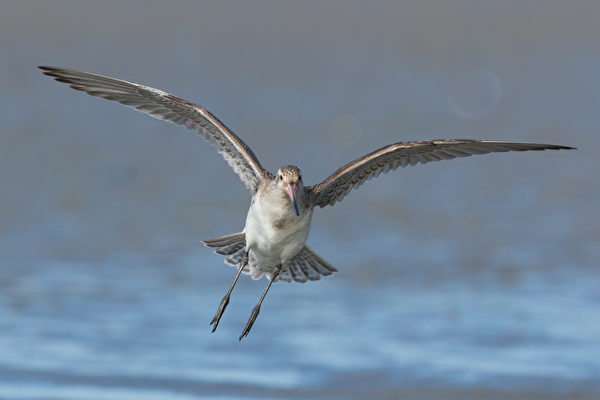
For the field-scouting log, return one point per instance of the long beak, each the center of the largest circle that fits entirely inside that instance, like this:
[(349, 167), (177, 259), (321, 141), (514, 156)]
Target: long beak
[(291, 191)]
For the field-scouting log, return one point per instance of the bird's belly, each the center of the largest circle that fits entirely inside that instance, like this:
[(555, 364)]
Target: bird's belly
[(273, 239)]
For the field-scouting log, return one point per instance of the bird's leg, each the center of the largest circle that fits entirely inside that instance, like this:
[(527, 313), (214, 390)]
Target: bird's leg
[(215, 321), (256, 309)]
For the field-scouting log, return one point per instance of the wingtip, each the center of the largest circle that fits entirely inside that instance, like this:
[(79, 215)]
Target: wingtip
[(558, 147), (50, 71), (47, 68)]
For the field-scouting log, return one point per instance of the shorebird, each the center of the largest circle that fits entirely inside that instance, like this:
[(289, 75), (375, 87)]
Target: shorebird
[(273, 241)]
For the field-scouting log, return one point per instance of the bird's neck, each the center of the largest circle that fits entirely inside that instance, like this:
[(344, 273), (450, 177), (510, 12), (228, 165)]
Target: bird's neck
[(279, 201)]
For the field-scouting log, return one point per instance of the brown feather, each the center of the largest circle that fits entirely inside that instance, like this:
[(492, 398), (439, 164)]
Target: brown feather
[(357, 172), (171, 108)]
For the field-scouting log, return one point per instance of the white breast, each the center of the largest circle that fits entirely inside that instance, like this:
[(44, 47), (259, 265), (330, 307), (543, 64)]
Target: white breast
[(274, 233)]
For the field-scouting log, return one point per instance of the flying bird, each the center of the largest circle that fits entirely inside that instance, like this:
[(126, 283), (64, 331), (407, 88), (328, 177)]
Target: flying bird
[(273, 242)]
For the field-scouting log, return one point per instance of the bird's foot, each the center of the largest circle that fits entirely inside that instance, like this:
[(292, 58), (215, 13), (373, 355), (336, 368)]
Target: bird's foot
[(219, 313), (250, 322)]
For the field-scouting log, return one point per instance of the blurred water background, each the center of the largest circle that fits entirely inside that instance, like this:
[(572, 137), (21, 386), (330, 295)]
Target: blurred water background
[(472, 278)]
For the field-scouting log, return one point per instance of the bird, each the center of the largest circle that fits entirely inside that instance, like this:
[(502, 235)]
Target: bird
[(273, 241)]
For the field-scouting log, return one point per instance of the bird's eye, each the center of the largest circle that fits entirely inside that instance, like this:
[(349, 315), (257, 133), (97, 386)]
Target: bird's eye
[(280, 177)]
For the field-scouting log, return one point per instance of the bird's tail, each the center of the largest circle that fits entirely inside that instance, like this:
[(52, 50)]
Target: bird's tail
[(306, 265), (232, 246)]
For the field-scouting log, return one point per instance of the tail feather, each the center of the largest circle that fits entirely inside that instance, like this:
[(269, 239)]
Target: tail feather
[(234, 259), (293, 273), (228, 244), (231, 246), (306, 265), (226, 240), (310, 272), (320, 265)]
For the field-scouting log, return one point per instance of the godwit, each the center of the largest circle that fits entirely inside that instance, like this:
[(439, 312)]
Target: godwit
[(273, 242)]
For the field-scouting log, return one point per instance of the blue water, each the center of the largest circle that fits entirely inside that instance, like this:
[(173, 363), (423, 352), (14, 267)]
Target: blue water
[(72, 330), (474, 278)]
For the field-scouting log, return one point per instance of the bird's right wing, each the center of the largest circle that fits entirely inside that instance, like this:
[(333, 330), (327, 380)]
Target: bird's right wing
[(357, 172), (163, 105)]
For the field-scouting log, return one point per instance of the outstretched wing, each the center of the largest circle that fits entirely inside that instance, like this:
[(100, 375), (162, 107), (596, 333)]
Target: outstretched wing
[(355, 173), (165, 106)]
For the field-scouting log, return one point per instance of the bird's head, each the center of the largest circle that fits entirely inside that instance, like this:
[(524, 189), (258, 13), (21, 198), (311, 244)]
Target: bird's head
[(289, 180)]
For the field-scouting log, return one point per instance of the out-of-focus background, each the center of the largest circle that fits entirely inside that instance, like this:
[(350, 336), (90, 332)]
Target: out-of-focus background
[(472, 278)]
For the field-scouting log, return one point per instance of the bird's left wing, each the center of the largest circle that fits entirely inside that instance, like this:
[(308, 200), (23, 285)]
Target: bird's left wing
[(355, 173), (165, 106)]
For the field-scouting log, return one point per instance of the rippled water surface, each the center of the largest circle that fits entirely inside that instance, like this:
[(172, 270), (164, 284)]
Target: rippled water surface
[(475, 278)]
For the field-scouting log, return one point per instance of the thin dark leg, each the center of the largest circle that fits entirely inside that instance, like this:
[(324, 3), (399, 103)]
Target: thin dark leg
[(215, 321), (256, 309)]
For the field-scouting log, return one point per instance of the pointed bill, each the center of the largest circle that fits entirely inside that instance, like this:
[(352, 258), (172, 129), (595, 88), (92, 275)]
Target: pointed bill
[(291, 191)]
